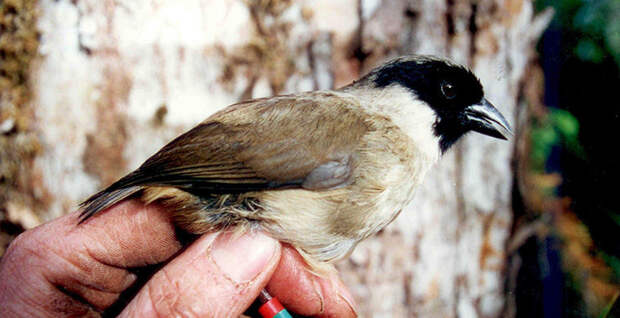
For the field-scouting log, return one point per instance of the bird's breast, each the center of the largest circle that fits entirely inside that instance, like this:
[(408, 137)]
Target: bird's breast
[(328, 224)]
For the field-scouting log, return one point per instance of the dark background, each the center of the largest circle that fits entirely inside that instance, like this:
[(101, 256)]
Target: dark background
[(577, 264)]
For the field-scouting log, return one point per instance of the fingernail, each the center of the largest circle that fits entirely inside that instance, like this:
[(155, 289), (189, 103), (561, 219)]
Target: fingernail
[(344, 294), (319, 294), (242, 258), (347, 298)]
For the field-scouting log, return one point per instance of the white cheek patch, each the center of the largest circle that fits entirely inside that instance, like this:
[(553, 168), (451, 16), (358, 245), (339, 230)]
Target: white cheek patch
[(413, 116)]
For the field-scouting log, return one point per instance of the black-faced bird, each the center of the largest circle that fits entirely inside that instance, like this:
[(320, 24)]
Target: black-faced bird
[(319, 170)]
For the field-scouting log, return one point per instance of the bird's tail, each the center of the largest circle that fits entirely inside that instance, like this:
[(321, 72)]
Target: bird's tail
[(105, 199)]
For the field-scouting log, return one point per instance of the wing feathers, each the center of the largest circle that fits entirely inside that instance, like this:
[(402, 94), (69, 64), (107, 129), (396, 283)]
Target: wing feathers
[(104, 200), (282, 142)]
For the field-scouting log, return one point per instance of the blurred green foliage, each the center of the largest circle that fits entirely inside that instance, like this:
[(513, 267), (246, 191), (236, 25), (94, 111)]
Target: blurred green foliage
[(579, 53), (607, 311), (613, 262), (558, 128), (595, 25)]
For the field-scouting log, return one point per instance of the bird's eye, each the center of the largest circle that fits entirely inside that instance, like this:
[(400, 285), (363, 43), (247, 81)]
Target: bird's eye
[(448, 90)]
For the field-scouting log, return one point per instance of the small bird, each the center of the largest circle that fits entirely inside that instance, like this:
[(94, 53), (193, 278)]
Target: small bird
[(319, 170)]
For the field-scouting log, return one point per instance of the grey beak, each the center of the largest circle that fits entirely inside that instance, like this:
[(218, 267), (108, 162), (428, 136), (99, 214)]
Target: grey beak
[(486, 119)]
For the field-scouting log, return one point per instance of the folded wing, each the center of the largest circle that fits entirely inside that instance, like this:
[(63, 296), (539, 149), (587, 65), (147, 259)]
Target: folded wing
[(309, 140)]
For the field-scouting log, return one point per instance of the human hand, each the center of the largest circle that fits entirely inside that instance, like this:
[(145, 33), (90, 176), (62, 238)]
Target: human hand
[(62, 269)]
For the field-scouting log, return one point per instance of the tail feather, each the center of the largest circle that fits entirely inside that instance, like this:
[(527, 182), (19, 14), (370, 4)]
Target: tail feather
[(105, 199)]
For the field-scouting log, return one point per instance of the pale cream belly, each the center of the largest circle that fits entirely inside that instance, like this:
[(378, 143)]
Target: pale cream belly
[(328, 224)]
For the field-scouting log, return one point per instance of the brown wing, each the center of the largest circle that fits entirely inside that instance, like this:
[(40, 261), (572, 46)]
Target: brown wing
[(308, 140)]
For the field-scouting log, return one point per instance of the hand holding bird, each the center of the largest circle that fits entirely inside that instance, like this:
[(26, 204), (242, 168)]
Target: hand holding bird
[(320, 171), (131, 262)]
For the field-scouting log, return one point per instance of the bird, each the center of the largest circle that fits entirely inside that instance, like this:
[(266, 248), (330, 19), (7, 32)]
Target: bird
[(319, 170)]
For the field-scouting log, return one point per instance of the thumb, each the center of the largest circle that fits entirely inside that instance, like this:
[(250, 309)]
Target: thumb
[(219, 275)]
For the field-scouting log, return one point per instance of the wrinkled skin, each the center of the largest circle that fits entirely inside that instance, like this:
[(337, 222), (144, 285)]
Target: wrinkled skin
[(62, 269)]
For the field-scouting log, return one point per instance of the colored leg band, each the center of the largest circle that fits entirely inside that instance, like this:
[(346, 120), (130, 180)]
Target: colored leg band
[(273, 309)]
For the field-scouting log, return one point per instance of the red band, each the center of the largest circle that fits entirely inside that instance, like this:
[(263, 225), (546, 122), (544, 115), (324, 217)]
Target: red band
[(270, 308)]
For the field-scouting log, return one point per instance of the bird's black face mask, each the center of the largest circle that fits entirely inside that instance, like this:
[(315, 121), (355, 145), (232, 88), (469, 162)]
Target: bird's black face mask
[(453, 92)]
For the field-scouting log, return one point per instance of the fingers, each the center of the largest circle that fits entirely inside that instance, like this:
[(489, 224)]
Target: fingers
[(130, 234), (89, 261), (217, 276), (311, 295)]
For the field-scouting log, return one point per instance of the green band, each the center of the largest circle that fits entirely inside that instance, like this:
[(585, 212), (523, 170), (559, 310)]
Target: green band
[(283, 314)]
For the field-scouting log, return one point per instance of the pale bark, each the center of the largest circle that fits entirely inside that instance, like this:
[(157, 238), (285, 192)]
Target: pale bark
[(118, 79)]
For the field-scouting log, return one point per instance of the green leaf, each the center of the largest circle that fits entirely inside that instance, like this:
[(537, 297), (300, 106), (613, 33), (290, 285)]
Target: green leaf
[(609, 306), (587, 50), (567, 127), (591, 17), (615, 217), (565, 123), (543, 139), (612, 261), (612, 33)]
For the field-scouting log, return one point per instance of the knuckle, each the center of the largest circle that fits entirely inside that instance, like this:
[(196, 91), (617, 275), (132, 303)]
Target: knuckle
[(27, 248), (20, 246)]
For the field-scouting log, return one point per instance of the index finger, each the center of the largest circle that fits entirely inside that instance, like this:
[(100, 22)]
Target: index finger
[(88, 262), (130, 234)]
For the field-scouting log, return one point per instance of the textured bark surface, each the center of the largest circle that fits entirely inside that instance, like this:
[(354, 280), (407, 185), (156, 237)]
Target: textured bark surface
[(116, 80)]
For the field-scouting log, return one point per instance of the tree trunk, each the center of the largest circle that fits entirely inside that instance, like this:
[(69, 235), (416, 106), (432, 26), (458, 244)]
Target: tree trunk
[(115, 80)]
